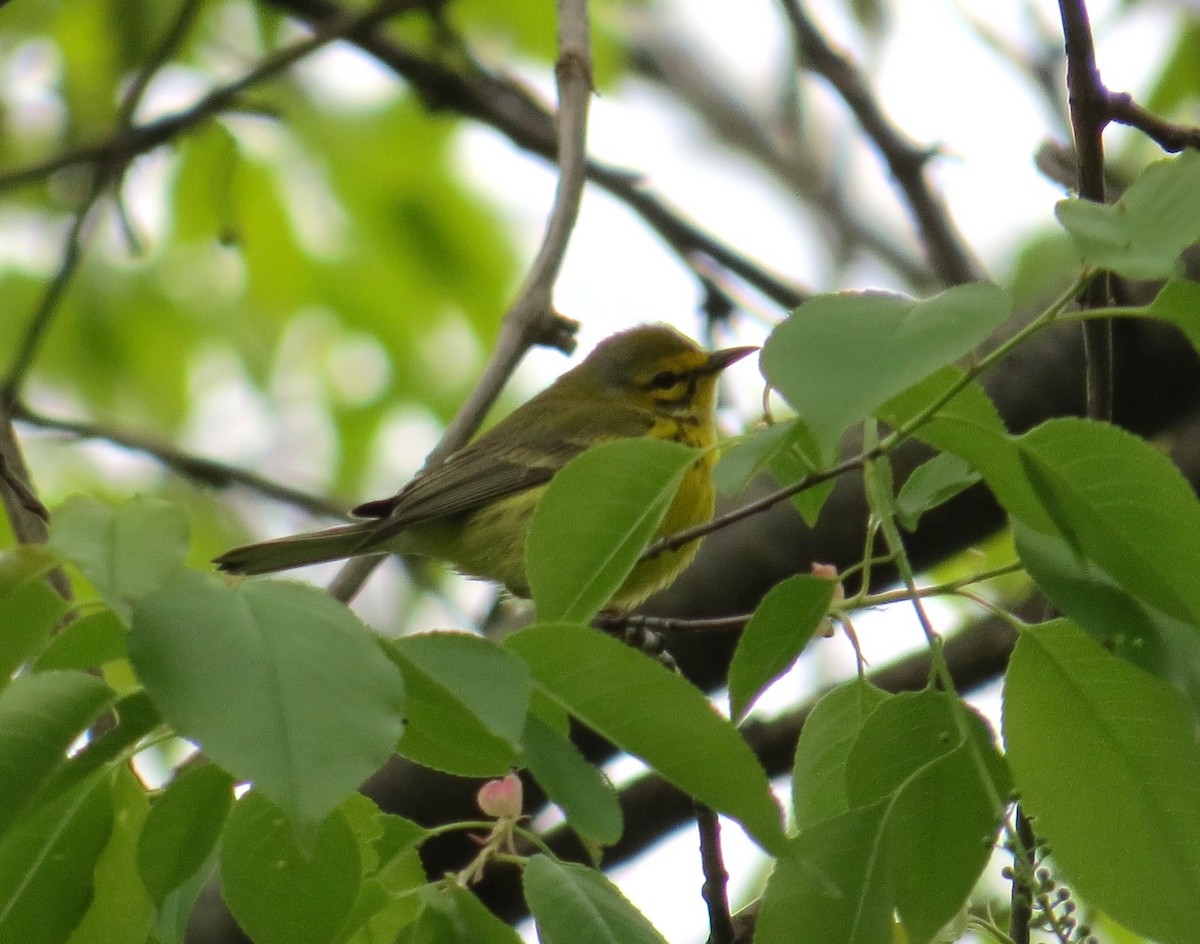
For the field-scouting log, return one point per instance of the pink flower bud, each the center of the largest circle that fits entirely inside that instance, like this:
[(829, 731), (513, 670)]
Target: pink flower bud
[(501, 798), (829, 572)]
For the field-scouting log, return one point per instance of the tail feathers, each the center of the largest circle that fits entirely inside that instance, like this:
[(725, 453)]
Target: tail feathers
[(296, 551)]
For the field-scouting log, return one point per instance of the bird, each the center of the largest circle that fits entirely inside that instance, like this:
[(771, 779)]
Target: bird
[(473, 509)]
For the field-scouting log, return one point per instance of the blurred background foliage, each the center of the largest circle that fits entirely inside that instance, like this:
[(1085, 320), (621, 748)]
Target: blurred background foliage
[(308, 254)]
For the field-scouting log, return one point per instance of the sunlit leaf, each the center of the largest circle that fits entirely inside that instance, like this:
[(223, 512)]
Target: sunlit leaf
[(595, 519), (655, 715), (1105, 757), (840, 357), (279, 684)]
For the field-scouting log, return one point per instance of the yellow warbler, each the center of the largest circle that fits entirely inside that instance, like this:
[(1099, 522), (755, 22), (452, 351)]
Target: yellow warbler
[(473, 510)]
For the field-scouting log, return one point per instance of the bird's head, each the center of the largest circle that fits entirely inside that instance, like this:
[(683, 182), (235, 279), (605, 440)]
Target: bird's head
[(659, 369)]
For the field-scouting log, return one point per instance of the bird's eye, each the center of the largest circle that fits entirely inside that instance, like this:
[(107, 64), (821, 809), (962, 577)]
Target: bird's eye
[(664, 380)]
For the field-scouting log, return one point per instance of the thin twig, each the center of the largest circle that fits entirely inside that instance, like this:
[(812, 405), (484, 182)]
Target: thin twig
[(498, 101), (26, 513), (1089, 114), (663, 57), (166, 48), (1122, 108), (47, 306), (1024, 863), (716, 879), (531, 319), (197, 468), (944, 246)]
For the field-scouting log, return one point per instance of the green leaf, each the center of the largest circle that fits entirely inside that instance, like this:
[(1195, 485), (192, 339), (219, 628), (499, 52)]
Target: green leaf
[(47, 864), (595, 519), (87, 643), (182, 829), (931, 484), (777, 633), (453, 915), (912, 783), (1126, 625), (41, 716), (462, 683), (969, 426), (119, 912), (1105, 759), (829, 733), (573, 904), (1179, 303), (788, 451), (583, 792), (744, 458), (1142, 234), (840, 357), (126, 552), (29, 607), (833, 876), (135, 716), (277, 682), (945, 791), (912, 730), (655, 715), (391, 866), (279, 893), (1121, 503)]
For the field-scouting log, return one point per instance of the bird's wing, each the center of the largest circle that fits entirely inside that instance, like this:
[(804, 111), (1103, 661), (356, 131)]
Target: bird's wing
[(519, 453)]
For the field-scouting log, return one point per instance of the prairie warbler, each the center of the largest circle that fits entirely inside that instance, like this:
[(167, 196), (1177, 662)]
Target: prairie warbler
[(473, 510)]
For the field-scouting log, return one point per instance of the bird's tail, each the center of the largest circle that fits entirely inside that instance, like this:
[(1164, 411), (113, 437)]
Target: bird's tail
[(296, 551)]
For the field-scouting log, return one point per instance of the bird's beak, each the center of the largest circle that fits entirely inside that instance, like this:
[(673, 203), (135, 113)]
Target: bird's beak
[(719, 360)]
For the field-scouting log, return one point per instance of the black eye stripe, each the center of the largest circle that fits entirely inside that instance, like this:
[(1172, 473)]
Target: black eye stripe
[(664, 380)]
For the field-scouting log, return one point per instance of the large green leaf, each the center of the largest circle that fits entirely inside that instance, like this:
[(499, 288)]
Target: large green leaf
[(278, 892), (1142, 234), (655, 715), (119, 912), (1120, 502), (829, 733), (41, 716), (782, 625), (935, 762), (840, 357), (834, 876), (125, 552), (48, 863), (1106, 760), (595, 519), (573, 904), (1129, 626), (462, 683), (277, 682)]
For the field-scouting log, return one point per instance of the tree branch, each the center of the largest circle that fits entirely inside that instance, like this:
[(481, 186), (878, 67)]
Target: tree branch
[(197, 468), (944, 246), (531, 319), (1089, 114), (662, 57)]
